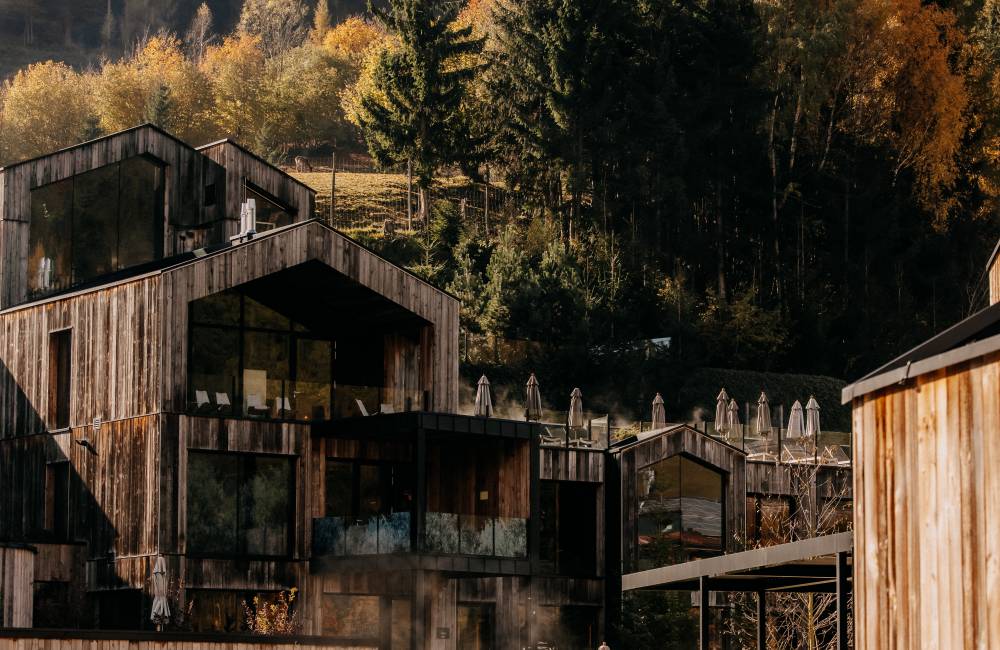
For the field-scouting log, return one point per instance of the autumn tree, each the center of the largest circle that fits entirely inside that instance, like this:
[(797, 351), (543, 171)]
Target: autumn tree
[(321, 22), (235, 68), (353, 38), (408, 109), (45, 107), (278, 24), (199, 34)]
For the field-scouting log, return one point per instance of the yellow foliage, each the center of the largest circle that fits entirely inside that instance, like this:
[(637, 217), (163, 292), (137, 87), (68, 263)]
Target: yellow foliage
[(352, 38), (124, 90), (236, 68), (46, 106), (272, 617)]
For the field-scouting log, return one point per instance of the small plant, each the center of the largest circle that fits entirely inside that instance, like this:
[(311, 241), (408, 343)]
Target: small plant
[(273, 617)]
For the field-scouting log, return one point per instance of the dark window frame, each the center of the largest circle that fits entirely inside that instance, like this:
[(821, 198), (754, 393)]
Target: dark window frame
[(60, 413), (293, 462), (294, 336), (356, 464)]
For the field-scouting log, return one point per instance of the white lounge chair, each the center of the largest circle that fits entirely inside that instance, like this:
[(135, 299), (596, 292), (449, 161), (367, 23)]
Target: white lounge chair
[(361, 407), (222, 401), (201, 399)]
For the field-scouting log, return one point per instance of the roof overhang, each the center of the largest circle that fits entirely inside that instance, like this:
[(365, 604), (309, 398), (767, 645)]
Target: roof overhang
[(808, 565)]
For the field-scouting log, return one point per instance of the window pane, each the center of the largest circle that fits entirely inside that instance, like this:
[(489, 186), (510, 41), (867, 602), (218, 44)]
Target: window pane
[(217, 309), (266, 378), (49, 238), (339, 486), (270, 215), (215, 358), (95, 223), (313, 379), (260, 315), (701, 504), (141, 218), (370, 491), (211, 503), (351, 616), (265, 505), (659, 522)]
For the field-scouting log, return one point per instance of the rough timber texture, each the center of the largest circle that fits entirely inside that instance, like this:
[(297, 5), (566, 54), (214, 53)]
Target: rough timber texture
[(17, 575), (241, 165), (927, 514), (995, 280)]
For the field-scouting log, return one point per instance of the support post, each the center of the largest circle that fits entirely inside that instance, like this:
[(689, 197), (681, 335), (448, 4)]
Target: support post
[(333, 187), (761, 620), (703, 622), (843, 594), (409, 195)]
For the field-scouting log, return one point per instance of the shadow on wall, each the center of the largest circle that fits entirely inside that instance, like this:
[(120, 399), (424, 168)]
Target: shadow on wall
[(47, 500)]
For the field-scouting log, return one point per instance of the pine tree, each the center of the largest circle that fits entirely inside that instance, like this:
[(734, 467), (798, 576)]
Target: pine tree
[(158, 109), (413, 109)]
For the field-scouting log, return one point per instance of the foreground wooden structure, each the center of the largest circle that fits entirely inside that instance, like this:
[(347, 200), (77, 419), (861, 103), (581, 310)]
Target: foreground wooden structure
[(927, 523)]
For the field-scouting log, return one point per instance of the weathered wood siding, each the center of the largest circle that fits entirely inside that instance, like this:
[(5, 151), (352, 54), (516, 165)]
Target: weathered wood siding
[(994, 274), (311, 241), (187, 173), (571, 465), (241, 166), (17, 577), (927, 512), (115, 371)]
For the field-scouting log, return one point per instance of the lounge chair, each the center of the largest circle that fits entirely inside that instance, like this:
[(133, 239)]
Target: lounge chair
[(255, 405), (222, 403), (201, 400), (361, 407)]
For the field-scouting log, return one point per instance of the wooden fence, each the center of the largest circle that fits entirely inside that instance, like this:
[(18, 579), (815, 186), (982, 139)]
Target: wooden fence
[(11, 639)]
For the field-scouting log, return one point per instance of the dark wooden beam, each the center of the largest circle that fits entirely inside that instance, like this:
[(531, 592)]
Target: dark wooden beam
[(703, 613), (761, 620)]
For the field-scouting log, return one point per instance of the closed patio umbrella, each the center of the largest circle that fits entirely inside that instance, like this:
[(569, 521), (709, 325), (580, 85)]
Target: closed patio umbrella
[(575, 408), (484, 403), (659, 413), (812, 417), (161, 608), (795, 423), (763, 415), (722, 412), (533, 400), (733, 419)]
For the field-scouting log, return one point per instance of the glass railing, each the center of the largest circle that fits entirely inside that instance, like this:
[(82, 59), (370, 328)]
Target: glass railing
[(454, 534), (831, 448), (299, 401), (345, 536)]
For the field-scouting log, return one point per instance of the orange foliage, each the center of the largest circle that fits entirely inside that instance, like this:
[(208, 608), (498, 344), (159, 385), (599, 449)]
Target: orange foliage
[(352, 38)]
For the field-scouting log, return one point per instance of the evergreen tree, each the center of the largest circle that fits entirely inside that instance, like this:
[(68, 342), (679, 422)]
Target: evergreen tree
[(412, 112), (158, 110)]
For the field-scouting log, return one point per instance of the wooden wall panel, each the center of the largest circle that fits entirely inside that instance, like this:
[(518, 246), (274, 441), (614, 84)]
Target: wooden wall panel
[(571, 465), (185, 642), (17, 577), (240, 164), (458, 470), (115, 368), (926, 523), (995, 280)]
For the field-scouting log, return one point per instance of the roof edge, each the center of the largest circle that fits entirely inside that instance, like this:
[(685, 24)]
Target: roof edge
[(255, 157)]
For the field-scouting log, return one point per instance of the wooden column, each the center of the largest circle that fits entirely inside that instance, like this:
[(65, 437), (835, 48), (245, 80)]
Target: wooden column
[(535, 494), (843, 594), (703, 630), (761, 620)]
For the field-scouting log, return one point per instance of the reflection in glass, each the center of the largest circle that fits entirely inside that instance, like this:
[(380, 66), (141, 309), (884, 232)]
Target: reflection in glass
[(680, 512), (215, 360), (266, 376), (270, 215), (95, 223), (49, 238), (239, 505), (313, 379), (350, 616)]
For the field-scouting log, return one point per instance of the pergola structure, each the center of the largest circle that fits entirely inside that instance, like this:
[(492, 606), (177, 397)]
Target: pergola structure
[(817, 565)]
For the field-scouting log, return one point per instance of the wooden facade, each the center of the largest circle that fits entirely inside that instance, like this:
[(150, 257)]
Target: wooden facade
[(926, 525), (17, 577)]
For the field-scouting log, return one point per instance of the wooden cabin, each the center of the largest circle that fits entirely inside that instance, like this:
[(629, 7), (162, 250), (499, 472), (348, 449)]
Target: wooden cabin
[(268, 411), (927, 519)]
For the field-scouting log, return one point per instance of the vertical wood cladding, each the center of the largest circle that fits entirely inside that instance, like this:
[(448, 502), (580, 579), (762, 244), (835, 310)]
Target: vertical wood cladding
[(242, 166), (17, 576), (926, 522), (995, 280)]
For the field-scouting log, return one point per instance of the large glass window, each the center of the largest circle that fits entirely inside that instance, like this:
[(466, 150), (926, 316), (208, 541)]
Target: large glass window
[(354, 617), (247, 358), (239, 504), (568, 521), (680, 512), (95, 223)]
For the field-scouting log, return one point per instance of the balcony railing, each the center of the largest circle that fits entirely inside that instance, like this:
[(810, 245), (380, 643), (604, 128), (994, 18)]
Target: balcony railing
[(446, 534), (595, 435)]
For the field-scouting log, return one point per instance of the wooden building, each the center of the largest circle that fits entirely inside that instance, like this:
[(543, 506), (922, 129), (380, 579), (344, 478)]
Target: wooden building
[(927, 521), (267, 410)]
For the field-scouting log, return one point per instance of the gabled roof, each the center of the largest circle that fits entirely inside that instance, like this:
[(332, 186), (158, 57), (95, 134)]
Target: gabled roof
[(670, 429), (973, 337), (138, 127), (246, 151)]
